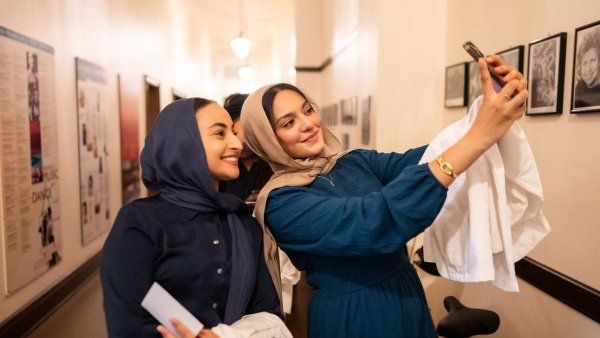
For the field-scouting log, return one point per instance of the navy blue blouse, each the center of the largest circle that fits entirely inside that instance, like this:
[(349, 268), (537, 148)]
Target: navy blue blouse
[(187, 252)]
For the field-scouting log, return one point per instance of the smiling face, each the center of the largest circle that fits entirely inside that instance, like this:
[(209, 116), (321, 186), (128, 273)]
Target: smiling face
[(590, 67), (297, 125), (221, 146)]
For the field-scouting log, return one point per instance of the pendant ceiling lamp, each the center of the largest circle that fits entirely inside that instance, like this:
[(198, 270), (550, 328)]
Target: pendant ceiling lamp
[(241, 45)]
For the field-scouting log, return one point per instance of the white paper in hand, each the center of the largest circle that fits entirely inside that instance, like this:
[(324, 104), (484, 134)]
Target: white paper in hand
[(163, 307)]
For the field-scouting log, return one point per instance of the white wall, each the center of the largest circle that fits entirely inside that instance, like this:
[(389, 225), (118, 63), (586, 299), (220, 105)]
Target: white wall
[(345, 30), (413, 43), (170, 40), (104, 34), (409, 94), (417, 41), (565, 146)]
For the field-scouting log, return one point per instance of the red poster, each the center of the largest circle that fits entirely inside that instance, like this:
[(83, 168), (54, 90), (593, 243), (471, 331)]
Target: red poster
[(130, 150)]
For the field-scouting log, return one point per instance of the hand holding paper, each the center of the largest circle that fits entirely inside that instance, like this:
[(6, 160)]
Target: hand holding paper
[(184, 332), (163, 307)]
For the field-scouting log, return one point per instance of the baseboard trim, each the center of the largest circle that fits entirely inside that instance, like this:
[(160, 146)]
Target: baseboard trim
[(26, 320), (582, 298)]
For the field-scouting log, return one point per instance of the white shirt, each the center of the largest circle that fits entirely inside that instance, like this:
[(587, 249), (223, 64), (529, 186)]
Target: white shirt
[(492, 216), (256, 325)]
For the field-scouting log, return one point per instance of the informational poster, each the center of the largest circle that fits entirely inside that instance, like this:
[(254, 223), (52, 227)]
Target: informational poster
[(92, 111), (129, 90), (29, 175)]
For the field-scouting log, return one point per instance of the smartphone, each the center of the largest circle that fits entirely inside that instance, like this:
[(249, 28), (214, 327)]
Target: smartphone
[(476, 54)]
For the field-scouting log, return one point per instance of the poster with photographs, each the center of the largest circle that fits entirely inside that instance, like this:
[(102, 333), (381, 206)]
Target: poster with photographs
[(329, 115), (349, 111), (513, 57), (545, 75), (456, 85), (365, 135), (92, 112), (474, 83), (30, 212), (585, 91), (129, 89)]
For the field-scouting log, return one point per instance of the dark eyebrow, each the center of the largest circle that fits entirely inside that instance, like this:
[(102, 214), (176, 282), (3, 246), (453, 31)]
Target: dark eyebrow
[(219, 124), (284, 116)]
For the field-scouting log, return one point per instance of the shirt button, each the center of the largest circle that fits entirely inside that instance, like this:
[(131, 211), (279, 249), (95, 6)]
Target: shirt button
[(216, 241), (219, 271), (215, 305)]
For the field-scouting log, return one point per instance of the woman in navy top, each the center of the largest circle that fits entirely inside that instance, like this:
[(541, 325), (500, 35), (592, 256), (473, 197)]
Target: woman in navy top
[(345, 217), (202, 246)]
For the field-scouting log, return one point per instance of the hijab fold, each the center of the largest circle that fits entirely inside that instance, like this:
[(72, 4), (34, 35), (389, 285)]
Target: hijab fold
[(287, 171), (174, 166)]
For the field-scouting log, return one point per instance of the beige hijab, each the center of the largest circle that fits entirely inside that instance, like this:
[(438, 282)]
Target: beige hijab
[(261, 139)]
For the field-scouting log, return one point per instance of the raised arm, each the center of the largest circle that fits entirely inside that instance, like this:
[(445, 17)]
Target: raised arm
[(387, 166), (496, 115), (381, 222)]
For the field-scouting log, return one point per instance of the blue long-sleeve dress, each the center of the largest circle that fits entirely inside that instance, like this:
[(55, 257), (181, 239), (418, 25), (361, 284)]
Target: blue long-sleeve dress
[(349, 237)]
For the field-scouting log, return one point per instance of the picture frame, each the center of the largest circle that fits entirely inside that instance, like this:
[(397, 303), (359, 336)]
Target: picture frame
[(514, 56), (474, 89), (456, 85), (349, 111), (546, 74), (345, 141), (365, 135), (329, 115), (585, 84)]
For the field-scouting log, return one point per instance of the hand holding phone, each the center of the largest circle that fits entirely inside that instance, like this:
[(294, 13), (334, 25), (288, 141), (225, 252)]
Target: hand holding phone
[(476, 54)]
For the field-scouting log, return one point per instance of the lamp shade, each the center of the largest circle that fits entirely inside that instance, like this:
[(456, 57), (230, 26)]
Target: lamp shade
[(241, 46)]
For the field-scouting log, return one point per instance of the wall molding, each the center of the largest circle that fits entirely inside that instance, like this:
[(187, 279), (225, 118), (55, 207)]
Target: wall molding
[(317, 69), (580, 297), (30, 317)]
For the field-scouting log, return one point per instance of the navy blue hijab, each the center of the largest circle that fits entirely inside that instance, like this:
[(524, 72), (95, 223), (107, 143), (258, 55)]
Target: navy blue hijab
[(174, 166)]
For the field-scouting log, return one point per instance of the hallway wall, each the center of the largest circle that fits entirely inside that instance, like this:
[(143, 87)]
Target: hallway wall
[(415, 41), (429, 37), (346, 31), (181, 43), (565, 146)]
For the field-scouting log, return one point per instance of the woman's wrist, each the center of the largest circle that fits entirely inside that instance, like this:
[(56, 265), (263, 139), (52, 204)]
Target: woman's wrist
[(479, 142), (461, 155)]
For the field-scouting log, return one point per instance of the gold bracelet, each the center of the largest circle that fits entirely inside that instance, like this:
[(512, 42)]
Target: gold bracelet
[(445, 166)]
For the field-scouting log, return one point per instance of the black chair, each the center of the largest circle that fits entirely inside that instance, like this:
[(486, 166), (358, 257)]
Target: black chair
[(461, 321)]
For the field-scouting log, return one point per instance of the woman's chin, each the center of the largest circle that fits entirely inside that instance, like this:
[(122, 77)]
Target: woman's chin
[(228, 175), (313, 151)]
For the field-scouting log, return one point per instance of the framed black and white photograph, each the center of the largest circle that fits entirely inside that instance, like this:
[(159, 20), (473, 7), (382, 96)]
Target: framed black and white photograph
[(329, 115), (456, 85), (345, 141), (366, 121), (585, 90), (349, 111), (334, 114), (545, 75), (474, 84), (514, 57)]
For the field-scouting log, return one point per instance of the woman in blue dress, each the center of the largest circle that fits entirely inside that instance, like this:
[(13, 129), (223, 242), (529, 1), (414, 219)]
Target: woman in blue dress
[(344, 218)]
